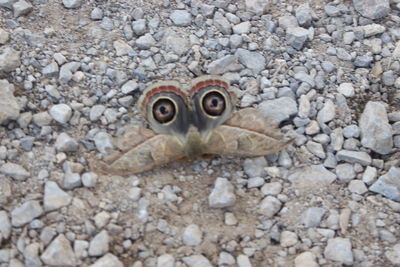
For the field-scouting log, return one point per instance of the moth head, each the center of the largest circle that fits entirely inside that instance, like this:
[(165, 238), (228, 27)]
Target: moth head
[(212, 102), (164, 106)]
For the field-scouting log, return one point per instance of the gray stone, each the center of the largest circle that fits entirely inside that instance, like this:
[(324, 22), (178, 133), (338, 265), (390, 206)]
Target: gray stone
[(7, 3), (222, 194), (372, 29), (269, 206), (332, 11), (67, 70), (59, 253), (312, 217), (139, 27), (98, 246), (71, 180), (339, 249), (225, 64), (222, 23), (96, 111), (346, 89), (389, 77), (15, 171), (42, 118), (348, 38), (363, 61), (304, 77), (360, 157), (372, 9), (54, 197), (21, 8), (72, 3), (255, 182), (311, 177), (4, 36), (145, 42), (328, 66), (376, 132), (192, 235), (345, 172), (296, 37), (254, 167), (327, 113), (176, 43), (121, 47), (107, 24), (61, 113), (316, 149), (225, 259), (286, 22), (369, 175), (252, 60), (388, 184), (31, 255), (304, 15), (9, 106), (181, 17), (273, 188), (351, 131), (242, 28), (393, 255), (288, 239), (65, 143), (5, 225), (96, 14), (89, 179), (108, 260), (25, 213), (103, 142), (342, 54), (243, 261), (357, 187), (279, 109), (305, 259), (258, 7), (50, 70), (166, 260), (9, 60), (197, 261)]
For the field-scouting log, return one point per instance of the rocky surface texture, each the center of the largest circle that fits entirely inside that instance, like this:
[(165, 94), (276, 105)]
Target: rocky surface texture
[(328, 71)]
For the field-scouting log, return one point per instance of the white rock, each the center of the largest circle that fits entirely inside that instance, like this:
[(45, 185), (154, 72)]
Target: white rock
[(21, 8), (339, 249), (346, 89), (61, 113), (222, 194), (166, 260), (89, 179), (129, 87), (108, 260), (25, 213), (197, 261), (257, 7), (54, 197), (393, 255), (15, 171), (9, 60), (72, 3), (5, 225), (181, 17), (192, 236), (273, 188), (9, 106), (64, 143), (288, 239), (305, 259), (269, 206), (254, 167), (59, 253), (243, 261), (121, 47), (98, 246), (103, 142), (327, 113)]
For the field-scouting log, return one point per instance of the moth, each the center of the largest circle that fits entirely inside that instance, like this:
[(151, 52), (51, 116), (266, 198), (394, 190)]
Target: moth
[(188, 123)]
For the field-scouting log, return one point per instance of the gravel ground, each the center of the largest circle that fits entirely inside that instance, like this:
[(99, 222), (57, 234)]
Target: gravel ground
[(326, 71)]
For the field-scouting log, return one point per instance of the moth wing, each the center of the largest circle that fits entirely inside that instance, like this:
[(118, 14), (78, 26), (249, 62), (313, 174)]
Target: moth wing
[(239, 142), (247, 134), (252, 119), (156, 150)]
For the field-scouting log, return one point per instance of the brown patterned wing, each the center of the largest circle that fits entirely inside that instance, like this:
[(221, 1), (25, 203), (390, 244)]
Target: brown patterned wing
[(155, 151), (246, 134)]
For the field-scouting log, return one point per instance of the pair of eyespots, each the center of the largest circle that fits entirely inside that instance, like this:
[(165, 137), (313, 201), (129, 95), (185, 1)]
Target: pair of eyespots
[(164, 110)]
